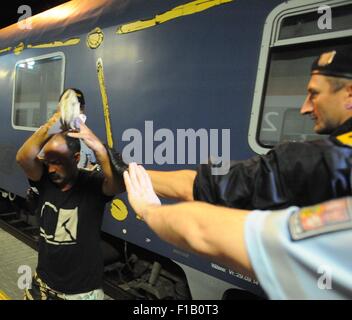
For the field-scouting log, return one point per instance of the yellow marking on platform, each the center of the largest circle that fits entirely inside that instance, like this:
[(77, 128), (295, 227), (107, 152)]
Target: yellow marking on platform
[(4, 296), (179, 11), (70, 42)]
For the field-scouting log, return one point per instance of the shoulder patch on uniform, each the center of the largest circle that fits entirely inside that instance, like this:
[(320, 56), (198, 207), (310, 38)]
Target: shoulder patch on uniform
[(335, 215), (345, 139)]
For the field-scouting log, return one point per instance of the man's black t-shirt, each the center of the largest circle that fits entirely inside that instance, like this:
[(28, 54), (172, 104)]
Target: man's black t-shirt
[(70, 258)]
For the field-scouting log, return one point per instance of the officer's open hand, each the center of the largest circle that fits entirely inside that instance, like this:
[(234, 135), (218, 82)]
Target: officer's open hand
[(140, 190)]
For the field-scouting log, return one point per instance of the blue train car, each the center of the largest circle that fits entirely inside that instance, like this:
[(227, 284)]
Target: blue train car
[(168, 83)]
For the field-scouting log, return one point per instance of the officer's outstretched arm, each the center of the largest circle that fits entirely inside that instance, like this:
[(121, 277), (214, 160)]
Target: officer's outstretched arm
[(173, 184), (212, 231)]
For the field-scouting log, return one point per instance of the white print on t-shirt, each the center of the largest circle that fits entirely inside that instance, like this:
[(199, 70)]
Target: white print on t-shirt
[(66, 225)]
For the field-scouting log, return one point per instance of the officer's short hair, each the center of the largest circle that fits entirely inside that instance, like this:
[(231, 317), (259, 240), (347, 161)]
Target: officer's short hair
[(337, 84)]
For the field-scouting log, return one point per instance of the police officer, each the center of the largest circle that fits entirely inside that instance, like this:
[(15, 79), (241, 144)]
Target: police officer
[(291, 173), (294, 253)]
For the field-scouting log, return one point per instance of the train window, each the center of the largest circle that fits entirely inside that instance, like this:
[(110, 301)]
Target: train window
[(38, 84), (291, 41), (285, 91), (306, 24)]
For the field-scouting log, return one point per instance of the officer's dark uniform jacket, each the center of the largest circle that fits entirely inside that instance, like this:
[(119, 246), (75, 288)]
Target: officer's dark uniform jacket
[(296, 173)]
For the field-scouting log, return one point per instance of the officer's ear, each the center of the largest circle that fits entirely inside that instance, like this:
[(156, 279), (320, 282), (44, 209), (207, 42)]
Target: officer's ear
[(349, 89), (349, 95)]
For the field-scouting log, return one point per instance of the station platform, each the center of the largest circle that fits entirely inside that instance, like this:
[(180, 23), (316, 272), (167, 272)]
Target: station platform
[(13, 254)]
